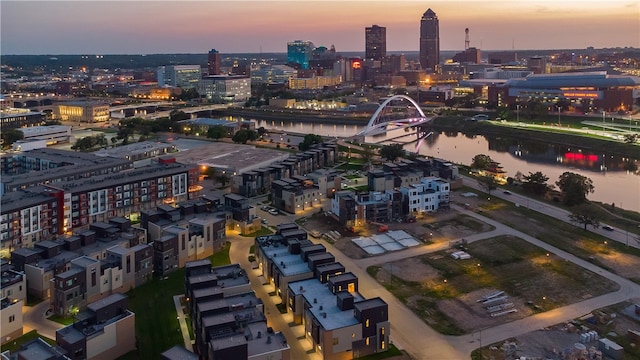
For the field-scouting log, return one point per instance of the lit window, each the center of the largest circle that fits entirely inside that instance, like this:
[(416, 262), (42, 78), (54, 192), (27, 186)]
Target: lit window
[(366, 323)]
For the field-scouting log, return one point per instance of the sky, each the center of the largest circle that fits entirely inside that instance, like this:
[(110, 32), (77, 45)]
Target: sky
[(154, 27)]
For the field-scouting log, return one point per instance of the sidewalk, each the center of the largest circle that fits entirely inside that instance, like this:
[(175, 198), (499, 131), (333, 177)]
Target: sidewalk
[(183, 323)]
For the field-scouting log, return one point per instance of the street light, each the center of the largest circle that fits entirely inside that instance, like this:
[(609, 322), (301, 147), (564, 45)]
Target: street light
[(559, 108), (518, 112)]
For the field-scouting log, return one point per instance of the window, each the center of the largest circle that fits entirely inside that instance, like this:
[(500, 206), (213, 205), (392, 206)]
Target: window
[(12, 318), (366, 324), (336, 341)]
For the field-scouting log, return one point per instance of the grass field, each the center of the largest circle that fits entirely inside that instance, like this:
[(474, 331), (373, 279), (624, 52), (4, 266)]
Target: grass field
[(507, 263), (157, 327)]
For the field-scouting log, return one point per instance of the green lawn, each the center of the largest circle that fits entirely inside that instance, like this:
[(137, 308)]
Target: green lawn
[(157, 327), (62, 320), (263, 231), (393, 351), (14, 345)]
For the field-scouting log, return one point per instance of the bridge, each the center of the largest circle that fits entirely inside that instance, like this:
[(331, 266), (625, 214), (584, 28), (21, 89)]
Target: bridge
[(397, 112)]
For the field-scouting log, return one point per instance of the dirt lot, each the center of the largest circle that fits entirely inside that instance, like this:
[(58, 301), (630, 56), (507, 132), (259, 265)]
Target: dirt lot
[(429, 229), (550, 343)]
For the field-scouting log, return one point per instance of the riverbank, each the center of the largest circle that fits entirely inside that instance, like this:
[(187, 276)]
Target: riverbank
[(286, 115), (445, 124)]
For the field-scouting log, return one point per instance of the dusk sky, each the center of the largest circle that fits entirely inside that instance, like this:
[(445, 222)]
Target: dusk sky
[(151, 27)]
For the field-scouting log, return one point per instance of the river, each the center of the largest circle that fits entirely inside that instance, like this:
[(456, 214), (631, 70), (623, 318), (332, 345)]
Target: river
[(612, 183)]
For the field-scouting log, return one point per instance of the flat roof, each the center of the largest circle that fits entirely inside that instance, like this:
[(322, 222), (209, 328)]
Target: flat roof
[(322, 301), (232, 157), (288, 264), (41, 130), (179, 353), (109, 300), (16, 200), (139, 148)]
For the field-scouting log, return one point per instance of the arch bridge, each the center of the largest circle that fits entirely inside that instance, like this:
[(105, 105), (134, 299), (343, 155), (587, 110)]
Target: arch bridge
[(399, 111)]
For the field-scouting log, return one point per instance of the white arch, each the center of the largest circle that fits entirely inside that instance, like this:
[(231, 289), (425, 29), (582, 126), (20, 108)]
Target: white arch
[(372, 124)]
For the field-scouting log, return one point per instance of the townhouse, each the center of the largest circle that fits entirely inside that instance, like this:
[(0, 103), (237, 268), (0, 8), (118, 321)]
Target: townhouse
[(227, 318), (106, 330)]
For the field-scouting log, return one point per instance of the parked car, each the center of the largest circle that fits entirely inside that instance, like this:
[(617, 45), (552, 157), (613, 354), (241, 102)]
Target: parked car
[(507, 192), (273, 212), (607, 227), (264, 222)]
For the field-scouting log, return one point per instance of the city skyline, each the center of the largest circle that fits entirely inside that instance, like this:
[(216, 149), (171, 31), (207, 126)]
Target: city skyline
[(152, 27)]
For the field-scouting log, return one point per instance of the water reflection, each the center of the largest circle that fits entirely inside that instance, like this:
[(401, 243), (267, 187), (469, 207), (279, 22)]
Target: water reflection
[(614, 177)]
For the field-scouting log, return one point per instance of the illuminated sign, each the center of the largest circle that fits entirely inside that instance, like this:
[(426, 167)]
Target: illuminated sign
[(356, 64), (580, 94), (580, 157)]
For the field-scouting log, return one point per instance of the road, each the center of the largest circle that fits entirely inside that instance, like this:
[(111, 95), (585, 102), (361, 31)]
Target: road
[(620, 235), (34, 318)]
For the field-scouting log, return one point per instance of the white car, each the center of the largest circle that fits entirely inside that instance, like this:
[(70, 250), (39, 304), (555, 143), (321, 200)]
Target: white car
[(273, 212)]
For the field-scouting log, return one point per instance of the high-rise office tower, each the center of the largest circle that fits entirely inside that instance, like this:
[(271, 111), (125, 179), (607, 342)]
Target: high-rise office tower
[(375, 42), (213, 62), (299, 52), (429, 40)]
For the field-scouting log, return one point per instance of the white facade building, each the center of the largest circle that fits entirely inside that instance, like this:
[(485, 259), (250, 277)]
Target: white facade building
[(428, 195)]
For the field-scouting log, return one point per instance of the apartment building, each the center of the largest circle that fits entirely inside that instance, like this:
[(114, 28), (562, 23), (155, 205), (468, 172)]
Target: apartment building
[(259, 181), (30, 216), (227, 318), (431, 194), (106, 330), (339, 322), (53, 166), (295, 195)]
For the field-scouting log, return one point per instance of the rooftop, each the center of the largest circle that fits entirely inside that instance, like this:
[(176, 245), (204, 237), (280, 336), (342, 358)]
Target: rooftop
[(234, 158), (179, 353), (323, 305)]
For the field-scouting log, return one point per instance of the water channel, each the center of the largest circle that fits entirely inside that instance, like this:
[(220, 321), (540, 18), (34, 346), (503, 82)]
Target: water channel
[(612, 182)]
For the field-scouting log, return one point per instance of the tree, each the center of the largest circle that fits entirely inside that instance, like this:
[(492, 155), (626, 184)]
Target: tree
[(217, 132), (586, 215), (392, 152), (481, 161), (244, 135), (124, 133), (177, 115), (574, 187), (262, 131), (223, 179), (11, 135), (367, 154), (489, 183), (212, 174), (309, 140), (535, 183)]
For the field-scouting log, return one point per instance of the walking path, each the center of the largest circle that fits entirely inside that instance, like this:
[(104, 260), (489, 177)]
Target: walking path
[(183, 323), (34, 318)]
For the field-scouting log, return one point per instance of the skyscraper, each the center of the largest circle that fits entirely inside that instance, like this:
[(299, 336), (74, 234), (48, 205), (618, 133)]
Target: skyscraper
[(429, 40), (375, 42), (213, 63), (299, 52)]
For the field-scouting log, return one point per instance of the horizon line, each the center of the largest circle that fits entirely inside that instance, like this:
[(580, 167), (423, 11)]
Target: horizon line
[(284, 52)]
